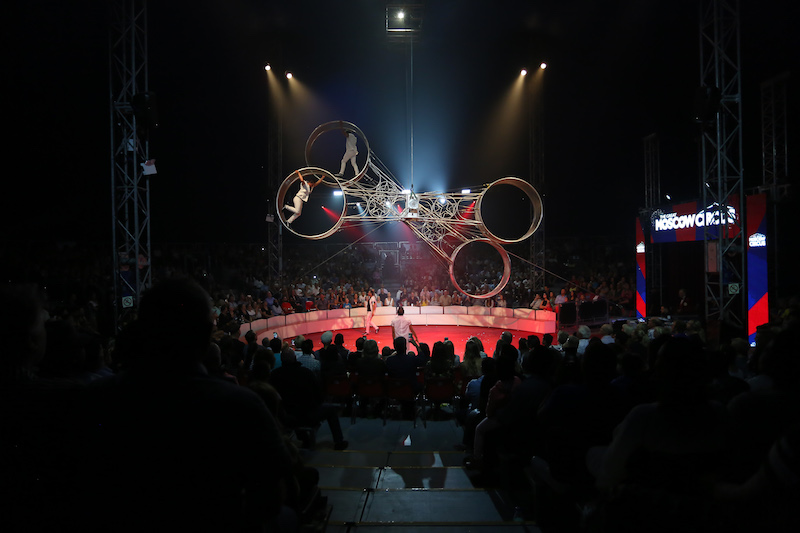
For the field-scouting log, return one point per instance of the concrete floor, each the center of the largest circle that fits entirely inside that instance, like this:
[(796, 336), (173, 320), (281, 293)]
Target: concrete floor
[(398, 478)]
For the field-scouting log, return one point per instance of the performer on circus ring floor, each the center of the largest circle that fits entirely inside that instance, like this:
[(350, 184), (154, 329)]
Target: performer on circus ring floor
[(371, 303), (402, 327), (350, 152), (301, 197)]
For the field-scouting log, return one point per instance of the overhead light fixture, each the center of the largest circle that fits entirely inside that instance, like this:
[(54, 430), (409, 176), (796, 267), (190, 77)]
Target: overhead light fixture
[(523, 72), (288, 75), (465, 191), (543, 66), (267, 67)]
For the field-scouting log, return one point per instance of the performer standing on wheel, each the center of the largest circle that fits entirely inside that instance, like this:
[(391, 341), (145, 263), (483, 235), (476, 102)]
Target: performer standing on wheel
[(371, 303), (350, 152), (301, 197)]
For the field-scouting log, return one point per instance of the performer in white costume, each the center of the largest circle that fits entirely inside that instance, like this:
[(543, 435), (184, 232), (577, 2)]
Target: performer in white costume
[(371, 303), (301, 197), (350, 152)]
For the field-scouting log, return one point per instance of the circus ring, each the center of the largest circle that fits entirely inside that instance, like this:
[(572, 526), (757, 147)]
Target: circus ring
[(432, 323)]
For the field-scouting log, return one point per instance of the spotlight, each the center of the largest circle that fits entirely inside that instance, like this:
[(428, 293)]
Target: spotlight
[(401, 15), (288, 75), (267, 67), (543, 66), (388, 203), (358, 204), (523, 72), (337, 193), (669, 197), (442, 200), (465, 191)]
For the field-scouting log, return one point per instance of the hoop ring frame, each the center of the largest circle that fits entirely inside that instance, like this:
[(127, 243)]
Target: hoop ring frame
[(506, 269), (533, 196), (339, 125), (289, 181)]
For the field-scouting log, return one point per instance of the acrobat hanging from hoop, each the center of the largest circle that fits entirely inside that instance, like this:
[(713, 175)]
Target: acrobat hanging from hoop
[(350, 152), (301, 197)]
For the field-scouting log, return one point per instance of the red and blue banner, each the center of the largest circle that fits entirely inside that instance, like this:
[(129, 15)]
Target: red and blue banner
[(757, 277), (641, 274)]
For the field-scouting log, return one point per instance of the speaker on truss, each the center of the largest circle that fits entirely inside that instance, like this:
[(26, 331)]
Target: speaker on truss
[(146, 110), (707, 102)]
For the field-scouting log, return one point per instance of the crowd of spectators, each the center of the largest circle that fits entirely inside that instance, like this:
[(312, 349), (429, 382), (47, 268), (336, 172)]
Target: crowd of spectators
[(78, 280), (643, 422)]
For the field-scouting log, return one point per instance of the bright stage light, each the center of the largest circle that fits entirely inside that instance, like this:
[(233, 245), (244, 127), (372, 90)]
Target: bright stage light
[(523, 72), (543, 66), (388, 203), (406, 191), (267, 67), (442, 200), (288, 75), (401, 15), (358, 204), (337, 193), (465, 191)]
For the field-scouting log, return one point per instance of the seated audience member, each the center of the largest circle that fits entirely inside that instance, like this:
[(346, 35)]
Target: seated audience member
[(581, 414), (213, 363), (307, 358), (518, 421), (470, 368), (37, 462), (584, 334), (354, 356), (302, 398), (275, 344), (423, 353), (440, 363), (386, 352), (331, 364), (662, 452), (338, 341), (499, 397), (166, 397), (371, 364), (403, 365)]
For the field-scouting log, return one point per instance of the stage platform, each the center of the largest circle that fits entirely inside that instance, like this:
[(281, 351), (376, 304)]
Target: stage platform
[(432, 323), (429, 335)]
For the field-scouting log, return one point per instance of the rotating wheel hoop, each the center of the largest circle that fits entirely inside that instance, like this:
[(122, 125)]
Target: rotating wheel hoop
[(338, 125), (533, 196), (506, 269), (290, 180)]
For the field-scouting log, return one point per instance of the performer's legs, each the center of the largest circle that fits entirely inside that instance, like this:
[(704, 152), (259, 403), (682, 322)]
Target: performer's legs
[(348, 155), (369, 322), (297, 209), (355, 166)]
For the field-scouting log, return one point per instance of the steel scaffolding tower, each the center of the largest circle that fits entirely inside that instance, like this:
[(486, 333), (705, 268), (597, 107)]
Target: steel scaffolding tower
[(130, 108), (774, 135), (652, 198), (721, 173), (775, 160)]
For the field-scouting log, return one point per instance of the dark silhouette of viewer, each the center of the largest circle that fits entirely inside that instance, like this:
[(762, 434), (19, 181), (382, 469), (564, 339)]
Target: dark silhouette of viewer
[(162, 432)]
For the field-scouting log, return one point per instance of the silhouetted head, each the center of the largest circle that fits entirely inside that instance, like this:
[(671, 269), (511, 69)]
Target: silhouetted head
[(400, 345), (175, 322)]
